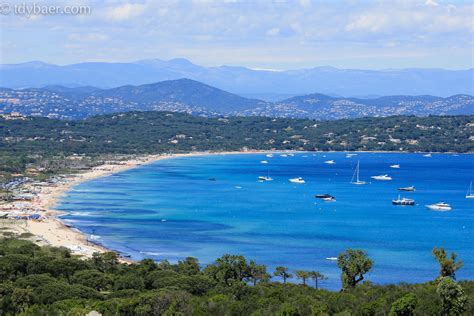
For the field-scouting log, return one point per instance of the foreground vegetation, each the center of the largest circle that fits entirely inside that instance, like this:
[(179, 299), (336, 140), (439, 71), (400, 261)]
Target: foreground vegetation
[(50, 281), (42, 142)]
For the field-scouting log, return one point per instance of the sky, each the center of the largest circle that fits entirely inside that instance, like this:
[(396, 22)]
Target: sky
[(274, 35)]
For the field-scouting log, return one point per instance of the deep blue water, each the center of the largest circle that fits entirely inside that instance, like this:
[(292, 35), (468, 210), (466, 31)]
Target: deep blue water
[(170, 209)]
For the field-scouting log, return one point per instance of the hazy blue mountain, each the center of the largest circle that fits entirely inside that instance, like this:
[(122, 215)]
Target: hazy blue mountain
[(183, 91), (241, 80), (190, 96)]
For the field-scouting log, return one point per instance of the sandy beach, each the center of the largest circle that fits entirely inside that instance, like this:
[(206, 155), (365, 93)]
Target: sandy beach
[(51, 231)]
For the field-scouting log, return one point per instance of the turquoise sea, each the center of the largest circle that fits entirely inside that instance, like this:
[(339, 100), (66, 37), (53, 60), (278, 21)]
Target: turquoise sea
[(171, 209)]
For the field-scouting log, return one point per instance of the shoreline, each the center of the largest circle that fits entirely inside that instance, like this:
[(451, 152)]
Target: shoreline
[(51, 230)]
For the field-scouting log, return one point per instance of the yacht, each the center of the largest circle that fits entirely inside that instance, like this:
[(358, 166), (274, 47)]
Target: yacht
[(395, 166), (330, 162), (441, 206), (331, 258), (355, 176), (264, 161), (297, 180), (383, 177), (469, 194), (407, 189), (326, 197), (403, 201)]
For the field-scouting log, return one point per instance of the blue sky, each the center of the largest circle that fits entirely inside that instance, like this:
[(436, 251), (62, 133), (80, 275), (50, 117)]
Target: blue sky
[(255, 34)]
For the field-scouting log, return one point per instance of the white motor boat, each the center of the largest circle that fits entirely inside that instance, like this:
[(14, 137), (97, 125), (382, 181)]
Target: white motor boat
[(264, 161), (330, 162), (395, 166), (383, 177), (298, 180), (441, 206)]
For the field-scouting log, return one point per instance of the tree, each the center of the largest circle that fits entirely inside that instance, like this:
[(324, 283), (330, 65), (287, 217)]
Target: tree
[(92, 278), (404, 306), (228, 269), (453, 299), (282, 272), (448, 266), (354, 264), (303, 275), (105, 262), (129, 281), (21, 299), (257, 273), (315, 275), (189, 266)]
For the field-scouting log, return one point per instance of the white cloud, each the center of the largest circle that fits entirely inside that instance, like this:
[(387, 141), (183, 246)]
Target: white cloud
[(273, 31), (372, 22), (125, 11), (431, 3), (88, 37)]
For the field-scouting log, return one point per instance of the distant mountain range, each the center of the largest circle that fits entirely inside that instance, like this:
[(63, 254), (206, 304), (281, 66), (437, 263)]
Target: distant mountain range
[(189, 96), (270, 85)]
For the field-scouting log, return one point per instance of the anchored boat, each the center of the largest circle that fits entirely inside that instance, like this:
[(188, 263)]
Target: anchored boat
[(403, 201), (469, 194), (441, 206), (407, 189), (355, 176), (298, 180), (326, 197), (384, 177)]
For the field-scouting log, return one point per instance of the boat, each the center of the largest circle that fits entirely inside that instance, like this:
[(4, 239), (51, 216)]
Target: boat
[(264, 161), (212, 179), (427, 155), (441, 206), (297, 180), (383, 177), (331, 258), (356, 176), (395, 166), (403, 201), (469, 194), (407, 189), (283, 155), (350, 155), (326, 197), (269, 155), (263, 179), (330, 162)]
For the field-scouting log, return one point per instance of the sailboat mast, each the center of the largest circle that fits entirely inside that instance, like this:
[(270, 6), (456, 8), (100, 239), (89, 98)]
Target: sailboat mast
[(358, 162)]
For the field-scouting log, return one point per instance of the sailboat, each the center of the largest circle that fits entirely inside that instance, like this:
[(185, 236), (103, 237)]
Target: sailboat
[(267, 178), (356, 176), (469, 194)]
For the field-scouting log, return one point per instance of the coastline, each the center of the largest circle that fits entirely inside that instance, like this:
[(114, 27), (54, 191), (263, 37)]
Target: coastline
[(51, 231), (54, 232)]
